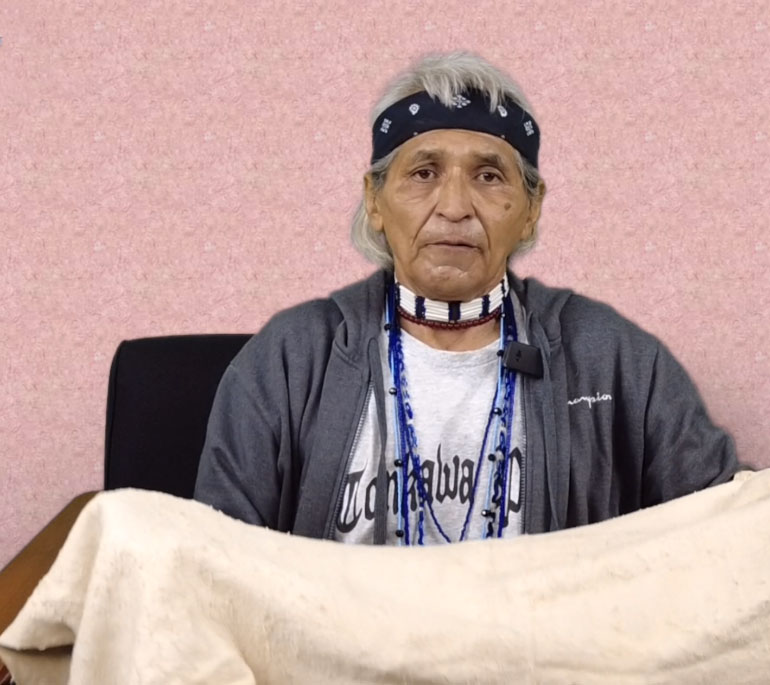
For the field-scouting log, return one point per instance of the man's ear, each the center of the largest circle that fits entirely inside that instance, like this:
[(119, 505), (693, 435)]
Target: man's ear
[(372, 207)]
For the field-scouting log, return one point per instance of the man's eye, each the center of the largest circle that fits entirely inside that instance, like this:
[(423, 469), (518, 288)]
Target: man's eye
[(490, 176), (423, 174)]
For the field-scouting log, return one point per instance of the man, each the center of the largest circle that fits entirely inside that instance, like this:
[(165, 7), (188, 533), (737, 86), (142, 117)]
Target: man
[(443, 398)]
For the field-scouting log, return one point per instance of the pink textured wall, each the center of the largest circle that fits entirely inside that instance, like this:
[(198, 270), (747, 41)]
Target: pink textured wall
[(176, 167)]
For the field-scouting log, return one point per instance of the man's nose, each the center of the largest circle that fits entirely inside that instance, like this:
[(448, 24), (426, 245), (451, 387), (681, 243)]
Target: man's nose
[(454, 200)]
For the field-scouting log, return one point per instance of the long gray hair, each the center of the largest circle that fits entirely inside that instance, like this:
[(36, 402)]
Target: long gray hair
[(442, 76)]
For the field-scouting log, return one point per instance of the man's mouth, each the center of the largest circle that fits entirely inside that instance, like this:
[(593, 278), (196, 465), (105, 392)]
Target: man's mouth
[(453, 243)]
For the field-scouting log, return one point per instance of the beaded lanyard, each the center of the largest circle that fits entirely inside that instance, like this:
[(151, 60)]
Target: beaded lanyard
[(406, 437)]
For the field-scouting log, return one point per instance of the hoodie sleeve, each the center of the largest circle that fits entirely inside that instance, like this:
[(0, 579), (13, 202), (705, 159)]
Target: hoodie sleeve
[(683, 450), (237, 473)]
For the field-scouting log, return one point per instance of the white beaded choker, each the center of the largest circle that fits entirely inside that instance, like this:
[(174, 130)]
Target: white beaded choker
[(424, 310)]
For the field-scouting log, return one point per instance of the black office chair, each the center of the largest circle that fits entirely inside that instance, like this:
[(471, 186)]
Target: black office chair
[(158, 402)]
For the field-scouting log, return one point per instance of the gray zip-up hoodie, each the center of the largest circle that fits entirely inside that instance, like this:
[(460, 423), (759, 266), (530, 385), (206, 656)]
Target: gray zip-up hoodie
[(615, 423)]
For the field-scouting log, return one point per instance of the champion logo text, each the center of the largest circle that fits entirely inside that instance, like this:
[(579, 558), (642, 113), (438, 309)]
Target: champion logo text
[(590, 400)]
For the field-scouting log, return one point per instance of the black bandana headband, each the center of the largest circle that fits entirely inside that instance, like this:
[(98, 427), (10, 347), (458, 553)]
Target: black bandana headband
[(419, 113)]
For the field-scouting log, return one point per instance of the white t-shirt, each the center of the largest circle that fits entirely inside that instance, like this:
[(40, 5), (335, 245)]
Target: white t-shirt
[(451, 395)]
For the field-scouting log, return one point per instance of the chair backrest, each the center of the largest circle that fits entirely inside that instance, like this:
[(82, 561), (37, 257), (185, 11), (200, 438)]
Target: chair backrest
[(158, 402)]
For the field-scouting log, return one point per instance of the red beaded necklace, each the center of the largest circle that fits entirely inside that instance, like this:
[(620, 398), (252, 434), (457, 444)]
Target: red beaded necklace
[(454, 325)]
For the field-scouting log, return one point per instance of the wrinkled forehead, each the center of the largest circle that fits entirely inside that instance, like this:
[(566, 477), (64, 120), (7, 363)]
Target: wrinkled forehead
[(457, 146)]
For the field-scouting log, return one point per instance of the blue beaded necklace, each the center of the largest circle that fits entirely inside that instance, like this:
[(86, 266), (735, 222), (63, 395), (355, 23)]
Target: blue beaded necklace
[(501, 415)]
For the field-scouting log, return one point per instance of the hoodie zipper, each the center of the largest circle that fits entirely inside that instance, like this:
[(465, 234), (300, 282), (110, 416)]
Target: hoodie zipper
[(341, 491), (524, 459), (525, 455)]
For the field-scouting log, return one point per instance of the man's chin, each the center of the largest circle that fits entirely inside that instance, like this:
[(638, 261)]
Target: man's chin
[(450, 283)]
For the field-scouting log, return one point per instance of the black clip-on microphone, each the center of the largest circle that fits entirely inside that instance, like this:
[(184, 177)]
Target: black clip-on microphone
[(524, 358)]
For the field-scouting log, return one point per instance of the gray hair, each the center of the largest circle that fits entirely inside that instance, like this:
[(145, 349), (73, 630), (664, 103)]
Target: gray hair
[(442, 76)]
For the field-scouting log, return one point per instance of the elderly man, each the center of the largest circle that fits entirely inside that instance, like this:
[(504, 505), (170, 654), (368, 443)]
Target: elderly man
[(443, 398)]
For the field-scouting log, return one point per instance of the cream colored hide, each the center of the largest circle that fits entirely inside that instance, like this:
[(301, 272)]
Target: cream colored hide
[(155, 589)]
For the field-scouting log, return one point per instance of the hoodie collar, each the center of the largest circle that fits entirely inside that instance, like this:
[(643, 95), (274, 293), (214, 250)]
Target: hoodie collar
[(362, 306), (541, 303)]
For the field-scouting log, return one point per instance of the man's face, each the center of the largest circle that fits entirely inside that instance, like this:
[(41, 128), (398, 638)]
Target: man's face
[(453, 208)]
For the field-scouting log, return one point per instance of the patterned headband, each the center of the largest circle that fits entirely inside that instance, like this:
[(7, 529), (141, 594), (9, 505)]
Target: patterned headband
[(419, 113)]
